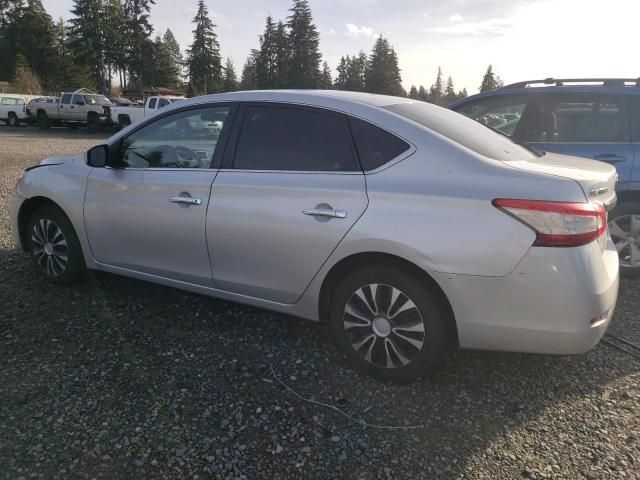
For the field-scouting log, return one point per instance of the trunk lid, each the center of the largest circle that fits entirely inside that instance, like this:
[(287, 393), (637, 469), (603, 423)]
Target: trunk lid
[(597, 179)]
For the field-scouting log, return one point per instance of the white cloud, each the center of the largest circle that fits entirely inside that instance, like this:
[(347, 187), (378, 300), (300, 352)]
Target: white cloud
[(327, 31), (356, 31), (456, 18), (491, 26)]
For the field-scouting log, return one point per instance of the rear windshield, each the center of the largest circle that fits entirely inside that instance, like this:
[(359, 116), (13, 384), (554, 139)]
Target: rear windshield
[(462, 130), (96, 100)]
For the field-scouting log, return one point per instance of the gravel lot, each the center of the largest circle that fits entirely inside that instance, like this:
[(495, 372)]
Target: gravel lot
[(118, 378)]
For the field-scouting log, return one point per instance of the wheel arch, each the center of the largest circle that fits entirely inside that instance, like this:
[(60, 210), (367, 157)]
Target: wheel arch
[(628, 196), (359, 260), (26, 210)]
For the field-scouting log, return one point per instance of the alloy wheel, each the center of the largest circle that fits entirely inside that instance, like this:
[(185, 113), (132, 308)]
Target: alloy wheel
[(49, 247), (384, 326), (625, 233)]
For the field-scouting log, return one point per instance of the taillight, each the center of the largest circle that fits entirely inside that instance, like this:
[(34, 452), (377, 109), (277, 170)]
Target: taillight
[(558, 224)]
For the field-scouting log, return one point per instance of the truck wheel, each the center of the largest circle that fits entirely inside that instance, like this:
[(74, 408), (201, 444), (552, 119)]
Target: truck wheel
[(93, 123), (124, 121), (43, 120), (13, 120)]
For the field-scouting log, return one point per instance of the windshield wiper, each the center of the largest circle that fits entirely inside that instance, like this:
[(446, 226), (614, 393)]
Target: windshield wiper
[(535, 151)]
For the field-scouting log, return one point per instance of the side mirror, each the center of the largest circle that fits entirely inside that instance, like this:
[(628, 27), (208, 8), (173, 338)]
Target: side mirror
[(98, 156)]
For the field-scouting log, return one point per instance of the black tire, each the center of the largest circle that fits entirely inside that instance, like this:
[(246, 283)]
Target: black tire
[(43, 120), (624, 210), (41, 227), (432, 316), (124, 121), (93, 123), (13, 120)]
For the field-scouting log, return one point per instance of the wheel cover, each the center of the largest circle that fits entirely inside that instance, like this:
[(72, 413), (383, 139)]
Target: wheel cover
[(384, 326), (625, 233), (49, 247)]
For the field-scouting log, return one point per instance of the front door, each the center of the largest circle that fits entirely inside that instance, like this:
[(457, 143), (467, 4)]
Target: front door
[(289, 192), (148, 213)]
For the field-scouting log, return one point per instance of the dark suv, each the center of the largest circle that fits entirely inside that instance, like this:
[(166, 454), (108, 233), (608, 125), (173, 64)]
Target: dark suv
[(596, 118)]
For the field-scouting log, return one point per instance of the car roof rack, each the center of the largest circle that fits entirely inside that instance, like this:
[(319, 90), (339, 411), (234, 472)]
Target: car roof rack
[(559, 82)]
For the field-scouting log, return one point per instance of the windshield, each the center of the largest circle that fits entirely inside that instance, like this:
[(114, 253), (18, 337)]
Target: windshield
[(96, 100), (462, 130)]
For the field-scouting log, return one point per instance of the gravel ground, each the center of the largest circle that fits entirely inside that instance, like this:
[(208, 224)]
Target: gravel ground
[(118, 378)]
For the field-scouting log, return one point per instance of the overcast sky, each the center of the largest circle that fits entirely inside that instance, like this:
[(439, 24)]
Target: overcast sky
[(523, 39)]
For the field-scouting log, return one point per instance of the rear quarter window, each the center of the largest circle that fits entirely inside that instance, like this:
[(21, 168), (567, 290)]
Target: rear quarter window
[(375, 146)]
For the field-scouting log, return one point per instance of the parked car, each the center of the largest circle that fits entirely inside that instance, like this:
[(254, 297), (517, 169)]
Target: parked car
[(126, 115), (593, 118), (406, 227), (74, 109), (13, 110)]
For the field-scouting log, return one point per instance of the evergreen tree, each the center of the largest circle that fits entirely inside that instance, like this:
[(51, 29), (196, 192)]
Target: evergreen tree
[(325, 83), (140, 45), (87, 40), (422, 94), (25, 80), (462, 94), (115, 40), (248, 81), (304, 44), (203, 57), (436, 92), (283, 55), (413, 92), (67, 72), (490, 81), (174, 68), (382, 74), (229, 79), (267, 59), (342, 73)]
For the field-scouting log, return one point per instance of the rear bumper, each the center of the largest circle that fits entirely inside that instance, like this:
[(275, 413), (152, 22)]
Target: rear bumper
[(546, 305)]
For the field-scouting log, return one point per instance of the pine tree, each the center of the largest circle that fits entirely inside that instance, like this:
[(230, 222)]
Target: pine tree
[(267, 59), (174, 72), (436, 92), (490, 81), (283, 55), (115, 39), (325, 83), (304, 43), (67, 72), (450, 95), (25, 80), (382, 74), (140, 45), (87, 40), (342, 73), (229, 79), (203, 57), (422, 94), (413, 92), (248, 81)]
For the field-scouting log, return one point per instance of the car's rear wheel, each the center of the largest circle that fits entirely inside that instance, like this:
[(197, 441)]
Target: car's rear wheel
[(13, 120), (389, 324), (624, 227), (54, 246), (43, 120)]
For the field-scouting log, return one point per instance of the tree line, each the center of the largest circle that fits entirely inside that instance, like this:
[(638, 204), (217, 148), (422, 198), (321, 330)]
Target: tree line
[(109, 42)]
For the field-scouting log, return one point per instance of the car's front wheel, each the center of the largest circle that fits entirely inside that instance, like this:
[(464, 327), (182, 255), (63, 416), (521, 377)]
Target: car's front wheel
[(624, 227), (54, 246), (389, 323)]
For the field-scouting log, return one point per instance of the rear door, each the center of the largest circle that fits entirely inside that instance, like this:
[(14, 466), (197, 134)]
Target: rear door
[(289, 191), (586, 125)]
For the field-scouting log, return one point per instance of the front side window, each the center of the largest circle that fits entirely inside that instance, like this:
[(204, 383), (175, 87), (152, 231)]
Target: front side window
[(66, 98), (287, 138), (78, 100), (501, 113), (184, 139), (96, 100), (578, 119), (152, 102)]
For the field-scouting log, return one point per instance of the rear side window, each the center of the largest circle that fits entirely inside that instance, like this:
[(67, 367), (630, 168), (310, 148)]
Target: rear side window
[(375, 146), (500, 112), (286, 138), (634, 117), (578, 119)]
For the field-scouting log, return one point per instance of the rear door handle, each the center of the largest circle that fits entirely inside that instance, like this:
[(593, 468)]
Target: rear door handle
[(321, 212), (186, 200), (609, 157)]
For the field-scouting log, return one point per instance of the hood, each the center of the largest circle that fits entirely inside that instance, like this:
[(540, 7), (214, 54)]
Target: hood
[(597, 179), (60, 160)]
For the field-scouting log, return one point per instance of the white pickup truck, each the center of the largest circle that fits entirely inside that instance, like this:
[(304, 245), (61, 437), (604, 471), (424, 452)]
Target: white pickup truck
[(125, 116), (13, 110), (74, 109)]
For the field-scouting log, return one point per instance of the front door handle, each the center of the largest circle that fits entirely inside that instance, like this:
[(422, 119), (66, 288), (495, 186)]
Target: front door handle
[(186, 200), (609, 157), (321, 212)]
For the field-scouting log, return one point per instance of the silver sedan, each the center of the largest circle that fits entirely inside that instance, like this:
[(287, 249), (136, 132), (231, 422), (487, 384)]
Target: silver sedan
[(407, 228)]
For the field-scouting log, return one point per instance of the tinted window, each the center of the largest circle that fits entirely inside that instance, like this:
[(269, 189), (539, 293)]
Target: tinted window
[(163, 102), (152, 102), (578, 118), (284, 138), (634, 117), (78, 100), (182, 140), (502, 113), (461, 130), (375, 146), (66, 98)]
